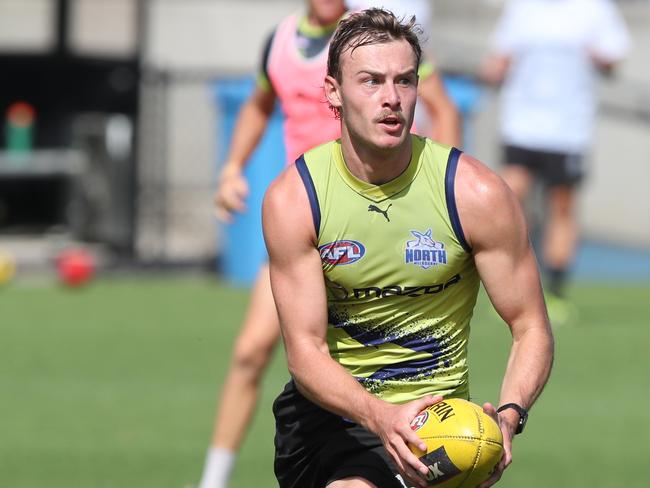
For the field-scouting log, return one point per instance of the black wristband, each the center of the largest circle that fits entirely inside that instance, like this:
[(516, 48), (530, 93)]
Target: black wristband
[(523, 415)]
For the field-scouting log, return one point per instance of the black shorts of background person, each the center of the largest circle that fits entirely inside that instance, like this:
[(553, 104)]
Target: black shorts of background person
[(552, 168)]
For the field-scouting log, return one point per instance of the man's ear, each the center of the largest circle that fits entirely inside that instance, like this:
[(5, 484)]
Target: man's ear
[(333, 92)]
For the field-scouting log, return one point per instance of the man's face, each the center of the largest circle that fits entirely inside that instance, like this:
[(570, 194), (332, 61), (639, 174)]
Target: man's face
[(377, 93), (327, 11)]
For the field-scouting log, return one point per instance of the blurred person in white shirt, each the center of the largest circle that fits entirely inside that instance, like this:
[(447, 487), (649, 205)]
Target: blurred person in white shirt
[(547, 54)]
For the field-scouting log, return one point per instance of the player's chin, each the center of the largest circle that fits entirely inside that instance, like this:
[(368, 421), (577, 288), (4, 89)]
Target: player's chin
[(391, 140)]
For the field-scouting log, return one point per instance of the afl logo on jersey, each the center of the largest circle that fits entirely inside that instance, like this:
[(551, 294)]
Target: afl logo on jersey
[(342, 252), (423, 251)]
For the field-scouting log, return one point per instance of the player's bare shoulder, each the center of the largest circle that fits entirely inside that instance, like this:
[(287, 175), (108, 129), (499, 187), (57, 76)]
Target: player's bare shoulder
[(486, 205), (286, 207), (286, 192), (475, 181)]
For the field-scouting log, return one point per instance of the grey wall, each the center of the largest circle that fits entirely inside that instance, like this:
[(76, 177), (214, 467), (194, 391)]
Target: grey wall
[(189, 44)]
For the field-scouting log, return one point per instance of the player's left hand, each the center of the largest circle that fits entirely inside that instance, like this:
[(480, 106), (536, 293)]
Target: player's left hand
[(508, 430)]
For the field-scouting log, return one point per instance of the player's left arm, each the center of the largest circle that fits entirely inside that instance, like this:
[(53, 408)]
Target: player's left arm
[(441, 109), (495, 228)]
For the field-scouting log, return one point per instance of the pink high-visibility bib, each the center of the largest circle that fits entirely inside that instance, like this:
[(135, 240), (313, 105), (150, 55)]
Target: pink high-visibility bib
[(299, 85)]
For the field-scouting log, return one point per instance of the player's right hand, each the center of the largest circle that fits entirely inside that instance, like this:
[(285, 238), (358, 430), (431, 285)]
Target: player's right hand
[(231, 193), (393, 426)]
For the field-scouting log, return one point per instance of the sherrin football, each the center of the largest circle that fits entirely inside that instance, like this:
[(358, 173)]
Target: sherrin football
[(464, 444)]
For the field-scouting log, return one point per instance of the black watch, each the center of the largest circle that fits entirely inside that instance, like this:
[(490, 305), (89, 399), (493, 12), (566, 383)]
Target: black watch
[(523, 415)]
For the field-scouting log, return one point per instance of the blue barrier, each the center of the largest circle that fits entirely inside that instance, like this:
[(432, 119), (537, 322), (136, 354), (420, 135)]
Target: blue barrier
[(241, 243), (466, 94)]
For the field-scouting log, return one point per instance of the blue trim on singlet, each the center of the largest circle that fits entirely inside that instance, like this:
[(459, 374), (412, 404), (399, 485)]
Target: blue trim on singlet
[(450, 197), (303, 171)]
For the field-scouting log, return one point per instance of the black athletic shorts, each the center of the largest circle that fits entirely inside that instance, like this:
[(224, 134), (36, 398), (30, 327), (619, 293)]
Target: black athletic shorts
[(314, 447), (553, 168)]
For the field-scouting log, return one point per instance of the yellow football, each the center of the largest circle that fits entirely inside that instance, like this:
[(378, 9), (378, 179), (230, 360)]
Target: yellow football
[(7, 267), (464, 444)]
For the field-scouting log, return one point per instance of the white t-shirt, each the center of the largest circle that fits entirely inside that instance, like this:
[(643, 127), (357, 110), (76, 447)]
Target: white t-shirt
[(401, 8), (549, 98)]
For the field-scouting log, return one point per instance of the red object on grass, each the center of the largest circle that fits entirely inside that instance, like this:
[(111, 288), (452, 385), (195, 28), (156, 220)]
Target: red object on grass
[(75, 267)]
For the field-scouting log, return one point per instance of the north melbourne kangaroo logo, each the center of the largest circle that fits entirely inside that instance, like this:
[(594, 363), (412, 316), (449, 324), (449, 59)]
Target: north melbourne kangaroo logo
[(374, 208), (424, 251)]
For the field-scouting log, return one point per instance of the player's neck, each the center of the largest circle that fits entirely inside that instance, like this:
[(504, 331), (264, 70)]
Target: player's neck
[(375, 165)]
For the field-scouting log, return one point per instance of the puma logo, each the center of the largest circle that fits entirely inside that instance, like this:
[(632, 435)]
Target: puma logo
[(374, 208)]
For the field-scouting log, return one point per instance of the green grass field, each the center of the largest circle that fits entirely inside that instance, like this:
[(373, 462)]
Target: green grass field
[(115, 385)]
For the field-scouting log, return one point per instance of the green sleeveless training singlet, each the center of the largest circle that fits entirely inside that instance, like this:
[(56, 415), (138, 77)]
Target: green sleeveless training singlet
[(400, 277)]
